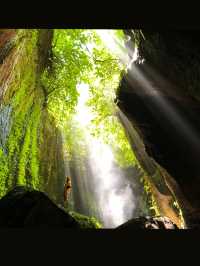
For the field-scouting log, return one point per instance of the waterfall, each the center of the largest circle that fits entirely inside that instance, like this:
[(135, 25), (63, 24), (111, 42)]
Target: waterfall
[(113, 193), (100, 187)]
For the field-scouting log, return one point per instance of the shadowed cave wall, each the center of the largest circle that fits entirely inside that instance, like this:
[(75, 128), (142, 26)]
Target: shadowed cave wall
[(172, 67)]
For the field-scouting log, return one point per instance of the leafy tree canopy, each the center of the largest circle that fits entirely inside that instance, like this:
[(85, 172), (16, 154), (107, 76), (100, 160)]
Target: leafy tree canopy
[(80, 56)]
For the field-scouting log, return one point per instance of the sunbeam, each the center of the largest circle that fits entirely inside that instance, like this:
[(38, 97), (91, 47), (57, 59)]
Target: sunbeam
[(116, 47), (167, 110), (106, 183)]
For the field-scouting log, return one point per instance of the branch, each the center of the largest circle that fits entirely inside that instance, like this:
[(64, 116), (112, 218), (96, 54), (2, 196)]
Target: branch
[(47, 93), (50, 92), (102, 61)]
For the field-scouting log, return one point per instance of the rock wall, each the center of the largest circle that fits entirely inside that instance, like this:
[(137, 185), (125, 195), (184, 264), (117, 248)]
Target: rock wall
[(161, 98), (30, 143)]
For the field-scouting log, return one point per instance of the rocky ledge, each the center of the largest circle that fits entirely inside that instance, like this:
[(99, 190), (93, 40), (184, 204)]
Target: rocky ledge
[(30, 208)]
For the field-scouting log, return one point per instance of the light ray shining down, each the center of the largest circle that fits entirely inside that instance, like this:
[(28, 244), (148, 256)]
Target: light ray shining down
[(170, 112), (114, 196), (116, 47), (161, 108)]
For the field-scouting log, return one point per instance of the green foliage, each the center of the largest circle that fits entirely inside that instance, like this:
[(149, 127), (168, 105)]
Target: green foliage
[(73, 63), (112, 133), (148, 196), (23, 158), (70, 61), (85, 221), (23, 66), (79, 56), (4, 171), (174, 204), (19, 162), (120, 35), (21, 103), (15, 139), (101, 70), (74, 139), (34, 163), (28, 158)]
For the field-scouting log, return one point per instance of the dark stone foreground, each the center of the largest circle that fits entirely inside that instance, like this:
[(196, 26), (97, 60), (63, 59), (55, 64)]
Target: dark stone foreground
[(149, 223), (24, 208)]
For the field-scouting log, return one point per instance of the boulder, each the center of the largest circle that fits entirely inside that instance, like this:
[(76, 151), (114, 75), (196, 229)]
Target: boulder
[(24, 208), (158, 222)]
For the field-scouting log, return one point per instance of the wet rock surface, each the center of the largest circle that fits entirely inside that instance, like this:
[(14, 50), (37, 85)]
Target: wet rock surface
[(193, 220), (163, 102), (149, 223)]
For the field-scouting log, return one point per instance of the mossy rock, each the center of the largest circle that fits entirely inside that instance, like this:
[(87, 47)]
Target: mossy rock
[(85, 221)]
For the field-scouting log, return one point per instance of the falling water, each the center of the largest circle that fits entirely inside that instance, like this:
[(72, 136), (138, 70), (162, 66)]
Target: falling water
[(100, 187), (114, 195)]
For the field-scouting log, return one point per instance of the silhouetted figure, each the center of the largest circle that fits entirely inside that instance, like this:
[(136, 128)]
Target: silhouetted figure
[(67, 188)]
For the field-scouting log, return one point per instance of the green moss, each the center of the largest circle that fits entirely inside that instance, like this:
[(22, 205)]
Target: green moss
[(24, 66), (175, 206), (28, 166), (23, 158), (34, 160), (85, 221), (19, 163), (150, 202), (18, 140), (4, 170)]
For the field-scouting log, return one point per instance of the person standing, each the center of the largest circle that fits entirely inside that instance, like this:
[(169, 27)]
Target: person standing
[(67, 189)]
